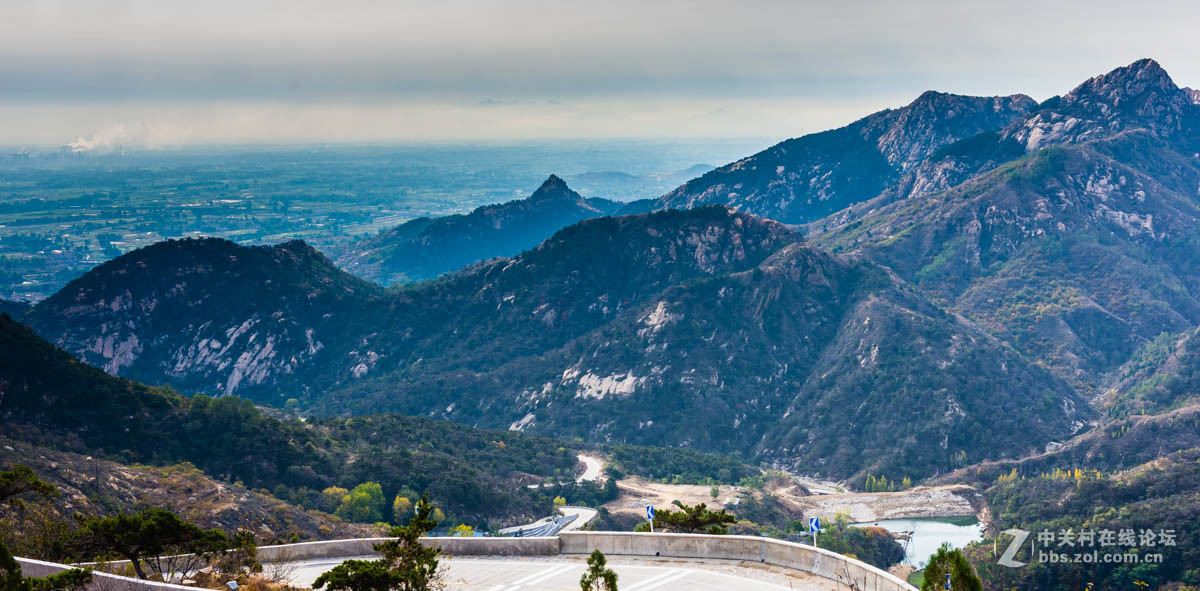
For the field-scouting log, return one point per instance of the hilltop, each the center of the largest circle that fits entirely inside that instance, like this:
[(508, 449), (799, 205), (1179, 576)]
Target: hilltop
[(424, 248)]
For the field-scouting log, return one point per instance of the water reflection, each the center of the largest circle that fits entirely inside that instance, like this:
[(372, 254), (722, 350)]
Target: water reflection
[(928, 534)]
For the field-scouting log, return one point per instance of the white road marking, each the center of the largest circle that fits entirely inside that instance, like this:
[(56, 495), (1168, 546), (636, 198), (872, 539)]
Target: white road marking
[(653, 582), (534, 578), (757, 584), (671, 579)]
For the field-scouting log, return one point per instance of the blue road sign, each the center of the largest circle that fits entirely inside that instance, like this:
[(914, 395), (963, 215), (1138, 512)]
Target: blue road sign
[(814, 524), (649, 512)]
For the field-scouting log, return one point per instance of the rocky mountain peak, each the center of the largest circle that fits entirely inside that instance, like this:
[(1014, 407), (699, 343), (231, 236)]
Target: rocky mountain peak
[(1193, 95), (928, 98), (1140, 80), (936, 119), (554, 188), (1138, 96)]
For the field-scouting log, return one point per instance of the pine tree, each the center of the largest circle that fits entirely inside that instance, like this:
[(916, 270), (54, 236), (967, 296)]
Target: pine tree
[(693, 519), (598, 576), (950, 560), (407, 565)]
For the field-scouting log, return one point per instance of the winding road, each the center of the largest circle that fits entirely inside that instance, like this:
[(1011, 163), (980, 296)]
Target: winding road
[(594, 467)]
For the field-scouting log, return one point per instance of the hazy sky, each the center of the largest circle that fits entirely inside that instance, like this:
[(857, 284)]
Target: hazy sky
[(166, 72)]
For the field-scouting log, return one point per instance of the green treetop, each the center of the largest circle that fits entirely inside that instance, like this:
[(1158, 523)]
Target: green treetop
[(406, 565), (598, 576), (950, 560), (697, 519)]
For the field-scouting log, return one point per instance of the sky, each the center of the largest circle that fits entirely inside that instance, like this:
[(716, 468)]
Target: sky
[(159, 73)]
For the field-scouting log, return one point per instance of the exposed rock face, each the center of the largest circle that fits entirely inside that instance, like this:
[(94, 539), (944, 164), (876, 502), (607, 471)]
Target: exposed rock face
[(1193, 95), (427, 247), (1064, 230), (635, 329), (1074, 242), (206, 315), (1140, 95), (49, 398), (939, 141), (803, 179)]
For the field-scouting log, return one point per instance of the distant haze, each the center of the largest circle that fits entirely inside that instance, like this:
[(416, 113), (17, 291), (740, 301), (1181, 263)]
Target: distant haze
[(148, 72)]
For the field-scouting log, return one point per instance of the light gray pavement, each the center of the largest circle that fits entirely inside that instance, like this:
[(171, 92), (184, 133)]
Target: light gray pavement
[(570, 518), (562, 573), (592, 467), (546, 526), (582, 516)]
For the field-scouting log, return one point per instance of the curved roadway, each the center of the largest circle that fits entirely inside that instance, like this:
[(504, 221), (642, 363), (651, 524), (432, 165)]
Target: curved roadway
[(572, 518), (592, 468)]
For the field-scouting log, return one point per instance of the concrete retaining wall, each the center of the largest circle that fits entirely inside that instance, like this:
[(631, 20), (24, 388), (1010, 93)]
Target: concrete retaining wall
[(100, 581), (545, 546), (817, 561), (326, 549)]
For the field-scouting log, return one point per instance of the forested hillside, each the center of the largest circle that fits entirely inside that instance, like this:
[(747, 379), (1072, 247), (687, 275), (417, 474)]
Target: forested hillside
[(625, 329)]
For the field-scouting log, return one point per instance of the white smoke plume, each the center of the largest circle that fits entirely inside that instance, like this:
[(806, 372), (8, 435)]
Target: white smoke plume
[(104, 141)]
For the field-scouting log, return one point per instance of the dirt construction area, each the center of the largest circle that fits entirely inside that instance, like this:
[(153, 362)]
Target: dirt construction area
[(922, 501), (937, 501), (636, 493)]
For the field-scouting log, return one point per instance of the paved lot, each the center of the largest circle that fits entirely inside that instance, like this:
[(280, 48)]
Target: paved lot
[(635, 574)]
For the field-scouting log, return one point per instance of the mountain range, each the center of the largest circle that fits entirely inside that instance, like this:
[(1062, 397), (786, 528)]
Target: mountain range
[(962, 279), (809, 177), (988, 291), (624, 329), (1081, 248)]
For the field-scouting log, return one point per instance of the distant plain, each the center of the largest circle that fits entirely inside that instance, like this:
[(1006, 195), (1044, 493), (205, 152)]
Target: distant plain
[(62, 213)]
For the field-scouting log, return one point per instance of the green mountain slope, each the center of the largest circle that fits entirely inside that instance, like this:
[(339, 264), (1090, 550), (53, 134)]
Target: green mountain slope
[(1160, 497), (1164, 374), (635, 329), (1078, 253), (47, 397)]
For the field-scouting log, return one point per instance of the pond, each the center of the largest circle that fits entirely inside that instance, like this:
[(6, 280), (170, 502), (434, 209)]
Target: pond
[(930, 533)]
